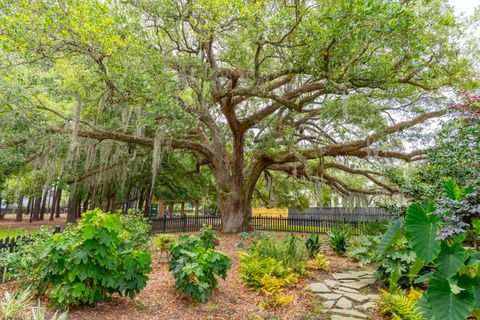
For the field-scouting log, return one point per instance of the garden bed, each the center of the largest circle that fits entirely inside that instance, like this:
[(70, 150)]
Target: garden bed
[(231, 300)]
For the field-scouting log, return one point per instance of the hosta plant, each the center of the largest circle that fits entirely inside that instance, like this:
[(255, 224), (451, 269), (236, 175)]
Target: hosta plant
[(338, 239)]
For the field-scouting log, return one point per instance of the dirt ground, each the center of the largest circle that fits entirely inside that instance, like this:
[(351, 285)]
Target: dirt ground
[(232, 300), (8, 223)]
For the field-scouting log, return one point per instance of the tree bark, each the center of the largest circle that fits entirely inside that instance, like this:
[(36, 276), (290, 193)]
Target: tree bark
[(72, 208), (29, 204), (19, 215), (36, 207), (58, 202), (43, 206)]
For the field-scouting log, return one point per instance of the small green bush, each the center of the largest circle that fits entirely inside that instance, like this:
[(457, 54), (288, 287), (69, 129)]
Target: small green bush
[(25, 262), (271, 264), (338, 239), (290, 251), (313, 244), (88, 263), (194, 263), (136, 228)]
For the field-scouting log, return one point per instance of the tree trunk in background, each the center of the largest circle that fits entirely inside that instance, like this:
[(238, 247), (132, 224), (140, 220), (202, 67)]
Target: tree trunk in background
[(18, 217), (36, 207), (170, 209), (29, 204), (140, 201), (148, 200), (43, 207), (53, 204), (57, 203), (72, 208)]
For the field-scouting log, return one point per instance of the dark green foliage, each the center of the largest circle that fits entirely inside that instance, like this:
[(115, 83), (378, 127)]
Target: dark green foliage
[(291, 252), (194, 263), (313, 244), (338, 239), (88, 263), (454, 279)]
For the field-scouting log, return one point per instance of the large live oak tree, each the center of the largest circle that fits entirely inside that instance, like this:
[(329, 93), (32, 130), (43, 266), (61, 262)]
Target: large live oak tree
[(246, 86)]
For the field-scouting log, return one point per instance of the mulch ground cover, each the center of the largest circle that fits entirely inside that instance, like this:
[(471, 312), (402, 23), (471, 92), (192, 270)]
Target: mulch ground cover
[(231, 300)]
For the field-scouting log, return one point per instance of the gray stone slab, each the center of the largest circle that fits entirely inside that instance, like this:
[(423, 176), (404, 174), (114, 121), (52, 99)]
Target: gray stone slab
[(330, 296), (368, 281), (355, 285), (331, 283), (339, 317), (344, 289), (344, 276), (366, 306), (329, 304), (344, 303), (356, 297), (352, 313), (318, 287)]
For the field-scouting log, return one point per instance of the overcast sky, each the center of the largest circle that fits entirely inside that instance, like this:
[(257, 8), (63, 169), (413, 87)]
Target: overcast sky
[(465, 6)]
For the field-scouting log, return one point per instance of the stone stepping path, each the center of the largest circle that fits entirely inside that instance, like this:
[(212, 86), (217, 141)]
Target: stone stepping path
[(344, 295)]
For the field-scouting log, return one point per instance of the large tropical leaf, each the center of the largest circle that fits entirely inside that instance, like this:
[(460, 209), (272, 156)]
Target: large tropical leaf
[(451, 259), (389, 237), (446, 304), (415, 269), (421, 231), (423, 307), (452, 189)]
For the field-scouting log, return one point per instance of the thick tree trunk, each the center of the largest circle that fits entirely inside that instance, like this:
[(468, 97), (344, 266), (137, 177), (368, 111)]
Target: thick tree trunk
[(43, 207), (72, 208), (36, 207), (18, 217)]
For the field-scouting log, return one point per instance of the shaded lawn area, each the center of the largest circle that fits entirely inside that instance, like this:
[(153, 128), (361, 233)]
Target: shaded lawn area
[(12, 232)]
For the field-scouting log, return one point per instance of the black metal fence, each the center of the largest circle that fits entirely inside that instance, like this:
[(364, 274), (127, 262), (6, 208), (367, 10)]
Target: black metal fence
[(9, 244), (341, 214), (183, 224), (307, 225)]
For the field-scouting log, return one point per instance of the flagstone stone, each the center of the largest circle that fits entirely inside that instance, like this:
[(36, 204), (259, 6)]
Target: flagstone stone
[(356, 297), (344, 303), (344, 289), (318, 287), (331, 283), (355, 285), (352, 313), (330, 296), (329, 303)]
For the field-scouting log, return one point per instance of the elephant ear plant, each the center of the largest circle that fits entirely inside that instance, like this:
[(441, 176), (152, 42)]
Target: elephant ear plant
[(436, 231)]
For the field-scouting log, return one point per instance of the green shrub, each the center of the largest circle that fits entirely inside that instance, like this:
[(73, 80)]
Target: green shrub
[(338, 239), (136, 229), (313, 244), (88, 263), (163, 241), (267, 275), (319, 263), (271, 264), (194, 263), (289, 251), (363, 248), (25, 263)]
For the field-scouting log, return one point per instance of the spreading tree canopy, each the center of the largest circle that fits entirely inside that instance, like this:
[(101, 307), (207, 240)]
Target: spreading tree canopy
[(312, 89)]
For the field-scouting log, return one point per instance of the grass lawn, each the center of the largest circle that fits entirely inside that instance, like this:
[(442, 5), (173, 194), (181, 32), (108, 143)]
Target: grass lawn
[(11, 233)]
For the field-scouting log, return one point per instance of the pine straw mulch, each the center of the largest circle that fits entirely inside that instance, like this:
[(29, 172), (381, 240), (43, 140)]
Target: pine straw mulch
[(159, 300)]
